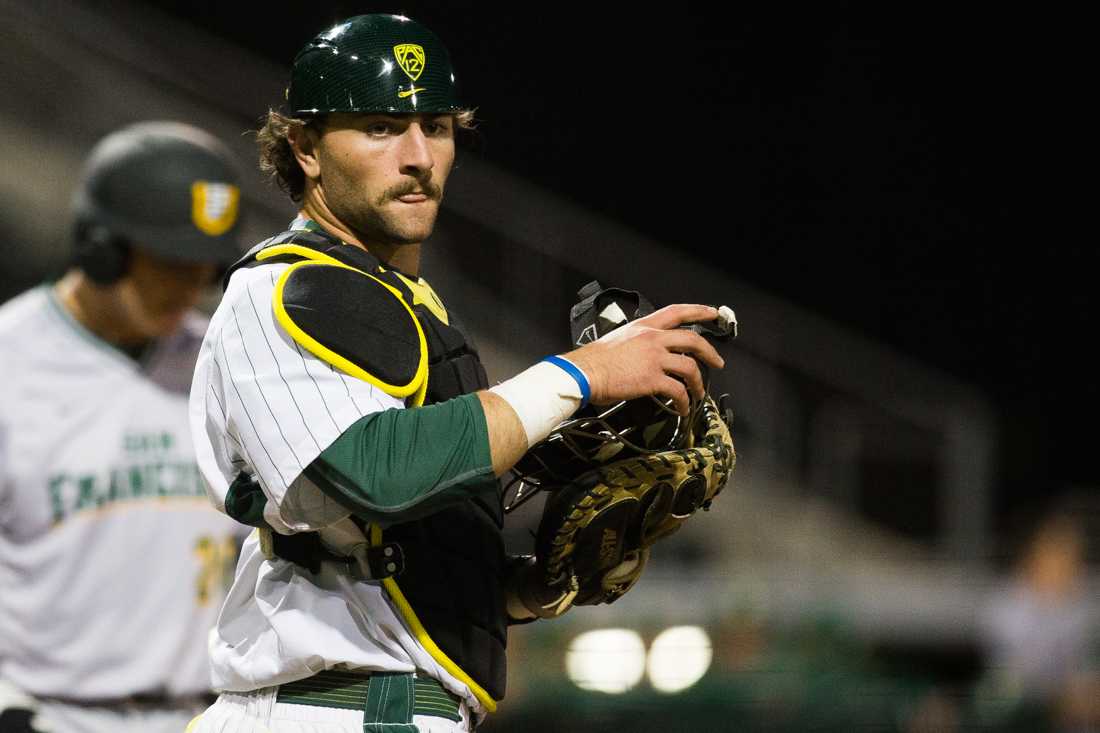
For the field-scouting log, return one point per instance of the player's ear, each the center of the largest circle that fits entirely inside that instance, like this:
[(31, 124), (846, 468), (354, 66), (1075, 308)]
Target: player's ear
[(304, 140)]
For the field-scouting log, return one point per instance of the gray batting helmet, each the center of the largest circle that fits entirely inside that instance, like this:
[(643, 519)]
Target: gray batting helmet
[(163, 186)]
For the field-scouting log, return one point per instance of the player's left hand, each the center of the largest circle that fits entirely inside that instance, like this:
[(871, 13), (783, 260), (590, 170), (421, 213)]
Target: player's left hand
[(651, 356)]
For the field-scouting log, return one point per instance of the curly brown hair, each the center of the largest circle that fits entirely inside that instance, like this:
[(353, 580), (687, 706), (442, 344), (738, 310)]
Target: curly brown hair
[(277, 158)]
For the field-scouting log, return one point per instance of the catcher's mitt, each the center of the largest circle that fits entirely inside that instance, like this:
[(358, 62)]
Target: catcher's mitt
[(621, 477)]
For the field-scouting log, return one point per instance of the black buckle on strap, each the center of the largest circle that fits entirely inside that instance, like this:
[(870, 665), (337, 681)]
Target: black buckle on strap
[(386, 560), (305, 549)]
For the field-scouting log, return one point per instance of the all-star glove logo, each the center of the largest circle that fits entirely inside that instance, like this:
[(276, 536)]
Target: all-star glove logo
[(411, 58), (214, 206)]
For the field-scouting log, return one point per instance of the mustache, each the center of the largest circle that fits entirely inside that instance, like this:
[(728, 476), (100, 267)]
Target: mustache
[(428, 188)]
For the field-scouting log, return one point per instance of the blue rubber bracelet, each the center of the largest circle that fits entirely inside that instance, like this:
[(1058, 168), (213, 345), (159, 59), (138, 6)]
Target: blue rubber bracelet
[(572, 370)]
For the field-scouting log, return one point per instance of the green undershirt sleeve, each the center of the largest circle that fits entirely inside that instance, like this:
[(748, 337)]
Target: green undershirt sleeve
[(245, 501), (400, 465)]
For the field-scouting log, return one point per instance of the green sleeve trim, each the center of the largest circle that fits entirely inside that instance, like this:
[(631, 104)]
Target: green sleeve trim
[(245, 501), (400, 465)]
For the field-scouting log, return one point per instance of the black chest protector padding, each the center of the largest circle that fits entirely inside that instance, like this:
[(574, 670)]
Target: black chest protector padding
[(453, 364), (455, 566), (357, 318)]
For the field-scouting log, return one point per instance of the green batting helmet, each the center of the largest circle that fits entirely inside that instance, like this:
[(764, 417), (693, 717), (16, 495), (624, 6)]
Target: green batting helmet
[(373, 63), (166, 187)]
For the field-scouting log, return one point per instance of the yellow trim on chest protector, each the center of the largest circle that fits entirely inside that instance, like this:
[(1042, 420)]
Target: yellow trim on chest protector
[(421, 634), (416, 388)]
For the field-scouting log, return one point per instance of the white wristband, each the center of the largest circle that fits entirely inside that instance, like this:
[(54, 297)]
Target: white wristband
[(542, 397)]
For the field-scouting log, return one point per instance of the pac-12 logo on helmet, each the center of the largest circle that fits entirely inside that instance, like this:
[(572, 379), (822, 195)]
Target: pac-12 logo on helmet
[(214, 206), (411, 58)]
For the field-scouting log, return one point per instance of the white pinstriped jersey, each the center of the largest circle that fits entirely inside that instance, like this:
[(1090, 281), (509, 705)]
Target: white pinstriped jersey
[(112, 564), (262, 404)]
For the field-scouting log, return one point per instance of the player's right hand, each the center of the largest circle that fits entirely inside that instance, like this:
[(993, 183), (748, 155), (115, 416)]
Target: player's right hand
[(650, 356)]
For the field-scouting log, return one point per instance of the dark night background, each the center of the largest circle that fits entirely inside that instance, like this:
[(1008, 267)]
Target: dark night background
[(897, 171)]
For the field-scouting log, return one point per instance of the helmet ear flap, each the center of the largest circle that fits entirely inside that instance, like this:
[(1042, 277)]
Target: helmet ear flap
[(103, 256)]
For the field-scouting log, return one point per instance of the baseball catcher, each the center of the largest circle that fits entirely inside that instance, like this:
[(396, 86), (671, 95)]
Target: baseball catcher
[(340, 407), (619, 477)]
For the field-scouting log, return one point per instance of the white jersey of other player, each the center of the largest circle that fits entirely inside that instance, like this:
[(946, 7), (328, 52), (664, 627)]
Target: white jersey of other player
[(111, 559)]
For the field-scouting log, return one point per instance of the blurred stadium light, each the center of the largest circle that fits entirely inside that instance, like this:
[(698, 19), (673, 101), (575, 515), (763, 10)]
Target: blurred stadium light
[(606, 660), (678, 658)]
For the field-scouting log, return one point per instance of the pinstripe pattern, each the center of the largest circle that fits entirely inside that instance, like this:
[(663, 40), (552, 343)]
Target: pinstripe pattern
[(278, 419), (279, 370), (270, 406), (305, 368), (258, 441)]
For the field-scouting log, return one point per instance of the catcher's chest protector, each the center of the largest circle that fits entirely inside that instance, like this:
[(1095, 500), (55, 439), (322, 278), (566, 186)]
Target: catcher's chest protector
[(454, 559)]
